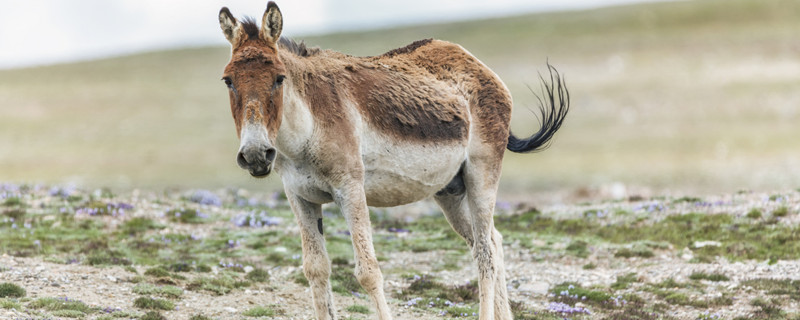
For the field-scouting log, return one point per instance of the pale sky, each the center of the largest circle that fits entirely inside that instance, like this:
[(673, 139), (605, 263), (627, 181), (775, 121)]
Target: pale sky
[(36, 32)]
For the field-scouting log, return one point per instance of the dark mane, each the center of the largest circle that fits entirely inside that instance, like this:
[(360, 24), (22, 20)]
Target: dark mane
[(250, 27), (298, 49), (409, 48)]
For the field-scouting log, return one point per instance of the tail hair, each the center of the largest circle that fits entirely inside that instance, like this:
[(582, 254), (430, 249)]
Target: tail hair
[(553, 108)]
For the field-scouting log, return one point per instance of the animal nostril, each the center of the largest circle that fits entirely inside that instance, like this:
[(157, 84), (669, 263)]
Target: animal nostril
[(270, 154), (241, 160)]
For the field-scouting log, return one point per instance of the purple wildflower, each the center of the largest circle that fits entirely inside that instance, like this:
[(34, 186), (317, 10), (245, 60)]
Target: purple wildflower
[(233, 243), (504, 206), (564, 308), (254, 220), (206, 197), (412, 302)]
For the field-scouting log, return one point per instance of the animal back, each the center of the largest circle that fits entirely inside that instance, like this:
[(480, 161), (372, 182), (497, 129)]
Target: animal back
[(411, 106)]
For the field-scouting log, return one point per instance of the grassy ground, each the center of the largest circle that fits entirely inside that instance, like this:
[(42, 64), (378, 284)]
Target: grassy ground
[(691, 96), (73, 253)]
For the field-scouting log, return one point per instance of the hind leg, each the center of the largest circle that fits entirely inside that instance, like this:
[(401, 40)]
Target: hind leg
[(455, 205)]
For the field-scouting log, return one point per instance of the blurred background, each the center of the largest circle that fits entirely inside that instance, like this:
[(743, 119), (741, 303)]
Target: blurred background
[(675, 97)]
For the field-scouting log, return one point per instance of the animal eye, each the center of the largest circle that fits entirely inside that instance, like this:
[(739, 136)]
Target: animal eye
[(228, 82), (279, 80)]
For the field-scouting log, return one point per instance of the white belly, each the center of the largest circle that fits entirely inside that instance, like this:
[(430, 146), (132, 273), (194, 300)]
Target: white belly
[(398, 173)]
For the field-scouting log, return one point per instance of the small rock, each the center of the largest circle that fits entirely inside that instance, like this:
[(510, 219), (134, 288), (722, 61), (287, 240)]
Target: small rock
[(700, 244), (687, 254), (538, 287), (247, 269), (231, 310), (55, 284), (111, 278)]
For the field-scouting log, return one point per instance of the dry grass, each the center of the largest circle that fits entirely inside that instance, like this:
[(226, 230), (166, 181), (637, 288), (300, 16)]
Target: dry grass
[(699, 96)]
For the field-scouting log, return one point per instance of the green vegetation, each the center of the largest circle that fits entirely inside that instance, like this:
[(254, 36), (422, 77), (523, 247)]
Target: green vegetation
[(10, 304), (60, 304), (172, 260), (624, 281), (259, 312), (153, 304), (344, 281), (768, 309), (220, 284), (739, 239), (153, 315), (708, 276), (13, 202), (258, 275), (68, 313), (787, 287), (11, 290), (428, 287), (165, 291), (157, 272), (185, 216), (579, 248), (679, 297), (139, 225), (299, 278), (571, 293), (634, 252), (15, 214), (426, 292), (357, 308), (781, 212)]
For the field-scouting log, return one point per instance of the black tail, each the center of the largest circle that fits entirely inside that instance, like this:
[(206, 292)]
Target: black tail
[(551, 119)]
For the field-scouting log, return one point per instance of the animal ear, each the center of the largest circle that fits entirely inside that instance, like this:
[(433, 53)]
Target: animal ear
[(230, 27), (272, 23)]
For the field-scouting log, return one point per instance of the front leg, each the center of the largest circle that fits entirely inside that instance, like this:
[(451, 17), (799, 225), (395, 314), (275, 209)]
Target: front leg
[(353, 203), (316, 265)]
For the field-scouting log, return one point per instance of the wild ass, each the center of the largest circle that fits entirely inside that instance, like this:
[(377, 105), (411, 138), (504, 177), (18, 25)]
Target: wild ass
[(428, 119)]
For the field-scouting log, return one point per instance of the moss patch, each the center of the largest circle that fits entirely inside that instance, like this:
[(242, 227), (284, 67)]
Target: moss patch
[(11, 290)]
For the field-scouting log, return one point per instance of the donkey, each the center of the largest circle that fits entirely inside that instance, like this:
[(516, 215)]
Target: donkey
[(428, 119)]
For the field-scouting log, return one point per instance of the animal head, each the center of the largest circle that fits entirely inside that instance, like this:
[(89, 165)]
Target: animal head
[(254, 77)]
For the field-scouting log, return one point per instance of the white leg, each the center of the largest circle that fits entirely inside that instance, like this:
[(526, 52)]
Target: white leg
[(316, 265), (481, 175), (353, 204)]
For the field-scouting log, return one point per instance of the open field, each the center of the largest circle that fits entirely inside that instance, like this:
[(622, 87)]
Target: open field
[(668, 98), (232, 254)]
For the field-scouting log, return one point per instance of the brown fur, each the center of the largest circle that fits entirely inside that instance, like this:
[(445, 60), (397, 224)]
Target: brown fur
[(253, 69), (408, 108), (404, 101)]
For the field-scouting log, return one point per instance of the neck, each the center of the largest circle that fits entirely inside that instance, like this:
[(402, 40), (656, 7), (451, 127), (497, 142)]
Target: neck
[(296, 122)]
